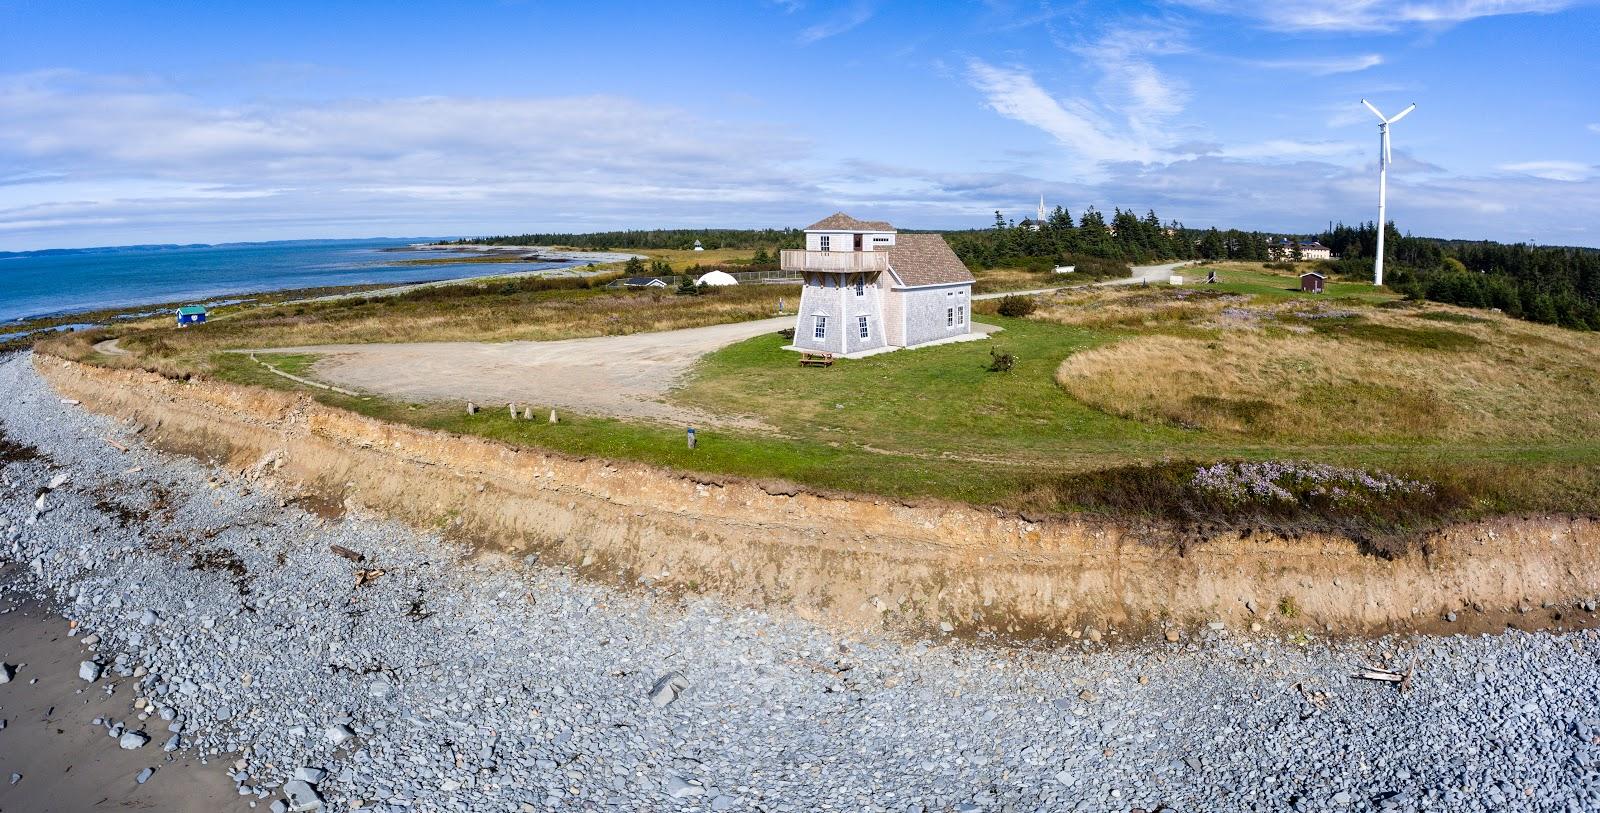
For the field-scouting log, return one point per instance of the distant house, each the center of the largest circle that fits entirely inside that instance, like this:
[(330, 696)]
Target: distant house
[(716, 279), (1311, 282), (867, 288), (191, 315), (1284, 250), (644, 282), (698, 247)]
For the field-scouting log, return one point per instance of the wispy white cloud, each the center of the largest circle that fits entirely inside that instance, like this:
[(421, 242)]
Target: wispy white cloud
[(1124, 118), (842, 21), (1322, 66), (1373, 15), (1283, 149), (103, 150), (1013, 93), (1595, 128), (1552, 170)]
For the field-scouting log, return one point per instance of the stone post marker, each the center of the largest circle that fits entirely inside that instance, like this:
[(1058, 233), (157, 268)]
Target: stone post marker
[(691, 437), (553, 418), (512, 408), (472, 409)]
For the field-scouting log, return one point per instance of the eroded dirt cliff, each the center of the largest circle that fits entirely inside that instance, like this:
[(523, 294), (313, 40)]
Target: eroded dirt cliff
[(856, 562)]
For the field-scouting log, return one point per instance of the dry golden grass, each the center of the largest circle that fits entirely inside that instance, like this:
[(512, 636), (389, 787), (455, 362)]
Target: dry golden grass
[(1381, 373), (469, 312), (682, 260), (1134, 307), (994, 280)]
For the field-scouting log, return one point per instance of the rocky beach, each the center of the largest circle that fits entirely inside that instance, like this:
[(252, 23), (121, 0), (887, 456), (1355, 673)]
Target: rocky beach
[(255, 650)]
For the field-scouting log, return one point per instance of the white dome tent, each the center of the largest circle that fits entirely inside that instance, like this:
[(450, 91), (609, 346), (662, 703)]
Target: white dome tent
[(716, 278)]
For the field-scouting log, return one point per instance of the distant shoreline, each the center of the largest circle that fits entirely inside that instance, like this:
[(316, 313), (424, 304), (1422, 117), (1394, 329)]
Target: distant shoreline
[(22, 329)]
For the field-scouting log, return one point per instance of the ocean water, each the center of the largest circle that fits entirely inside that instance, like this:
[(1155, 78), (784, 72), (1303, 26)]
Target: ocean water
[(73, 280)]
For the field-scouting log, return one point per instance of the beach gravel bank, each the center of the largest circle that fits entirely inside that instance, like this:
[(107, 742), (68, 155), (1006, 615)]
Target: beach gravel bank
[(425, 677)]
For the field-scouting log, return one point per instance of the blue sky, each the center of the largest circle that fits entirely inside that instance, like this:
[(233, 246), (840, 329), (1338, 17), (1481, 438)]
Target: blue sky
[(205, 122)]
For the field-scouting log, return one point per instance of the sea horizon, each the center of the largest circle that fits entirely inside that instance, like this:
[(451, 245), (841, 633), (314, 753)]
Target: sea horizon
[(55, 283)]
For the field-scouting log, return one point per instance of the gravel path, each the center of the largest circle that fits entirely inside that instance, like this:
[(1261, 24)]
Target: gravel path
[(449, 682)]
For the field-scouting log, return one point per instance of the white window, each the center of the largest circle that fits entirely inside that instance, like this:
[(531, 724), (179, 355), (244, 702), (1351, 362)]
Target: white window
[(821, 329), (822, 243), (861, 286), (861, 327), (949, 317), (961, 314)]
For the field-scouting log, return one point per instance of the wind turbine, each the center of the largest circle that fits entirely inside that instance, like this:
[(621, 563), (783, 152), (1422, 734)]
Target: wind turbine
[(1383, 179)]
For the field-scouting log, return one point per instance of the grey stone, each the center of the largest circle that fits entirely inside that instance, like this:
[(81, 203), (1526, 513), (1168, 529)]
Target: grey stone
[(131, 740), (680, 788), (301, 796), (144, 775), (89, 670), (667, 689)]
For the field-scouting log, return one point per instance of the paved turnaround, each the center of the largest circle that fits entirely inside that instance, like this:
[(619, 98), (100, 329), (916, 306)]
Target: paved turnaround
[(454, 682)]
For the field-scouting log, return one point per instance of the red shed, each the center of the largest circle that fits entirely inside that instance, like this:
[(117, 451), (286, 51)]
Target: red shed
[(1312, 281)]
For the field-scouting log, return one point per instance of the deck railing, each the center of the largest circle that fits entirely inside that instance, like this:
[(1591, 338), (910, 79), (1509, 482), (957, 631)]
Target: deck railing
[(797, 259)]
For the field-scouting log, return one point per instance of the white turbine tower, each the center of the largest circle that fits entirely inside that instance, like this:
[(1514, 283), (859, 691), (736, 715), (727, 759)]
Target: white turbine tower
[(1383, 179)]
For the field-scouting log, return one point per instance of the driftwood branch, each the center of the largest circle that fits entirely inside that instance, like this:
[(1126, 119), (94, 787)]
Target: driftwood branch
[(1401, 679), (348, 553)]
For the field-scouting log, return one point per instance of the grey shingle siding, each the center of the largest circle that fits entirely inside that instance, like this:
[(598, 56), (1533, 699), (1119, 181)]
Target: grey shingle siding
[(926, 319), (841, 306)]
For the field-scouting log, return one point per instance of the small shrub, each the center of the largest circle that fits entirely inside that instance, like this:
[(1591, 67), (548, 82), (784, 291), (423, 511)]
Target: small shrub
[(787, 333), (1288, 607), (1001, 362), (1017, 305)]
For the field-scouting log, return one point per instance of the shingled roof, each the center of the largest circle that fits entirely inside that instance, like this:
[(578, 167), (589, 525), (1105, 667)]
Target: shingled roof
[(926, 259), (839, 221)]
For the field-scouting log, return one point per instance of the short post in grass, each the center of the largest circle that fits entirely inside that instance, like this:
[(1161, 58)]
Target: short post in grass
[(553, 418), (512, 408), (527, 414), (691, 437), (472, 409)]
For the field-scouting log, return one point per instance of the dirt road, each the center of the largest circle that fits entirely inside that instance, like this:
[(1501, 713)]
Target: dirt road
[(622, 376)]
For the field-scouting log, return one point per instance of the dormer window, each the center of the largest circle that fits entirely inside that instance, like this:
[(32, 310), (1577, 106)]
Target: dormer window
[(822, 243)]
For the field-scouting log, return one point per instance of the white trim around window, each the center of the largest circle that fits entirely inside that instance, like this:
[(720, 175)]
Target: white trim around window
[(961, 314), (949, 317), (819, 329), (861, 327), (822, 243)]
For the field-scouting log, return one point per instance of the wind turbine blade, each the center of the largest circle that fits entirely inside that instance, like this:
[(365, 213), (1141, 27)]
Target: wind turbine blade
[(1402, 114), (1374, 110)]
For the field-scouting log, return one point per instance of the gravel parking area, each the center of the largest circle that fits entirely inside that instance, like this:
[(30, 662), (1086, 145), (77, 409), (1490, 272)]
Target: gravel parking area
[(427, 678), (622, 376)]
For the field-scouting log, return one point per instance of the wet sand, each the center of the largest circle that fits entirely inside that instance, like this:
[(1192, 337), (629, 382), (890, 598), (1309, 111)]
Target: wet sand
[(68, 764)]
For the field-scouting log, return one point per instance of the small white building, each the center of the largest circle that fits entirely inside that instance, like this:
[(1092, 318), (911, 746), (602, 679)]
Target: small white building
[(868, 288), (1312, 250), (697, 246), (716, 279)]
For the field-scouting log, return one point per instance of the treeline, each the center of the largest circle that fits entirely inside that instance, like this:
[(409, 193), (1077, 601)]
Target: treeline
[(682, 239), (1554, 285), (1093, 242)]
